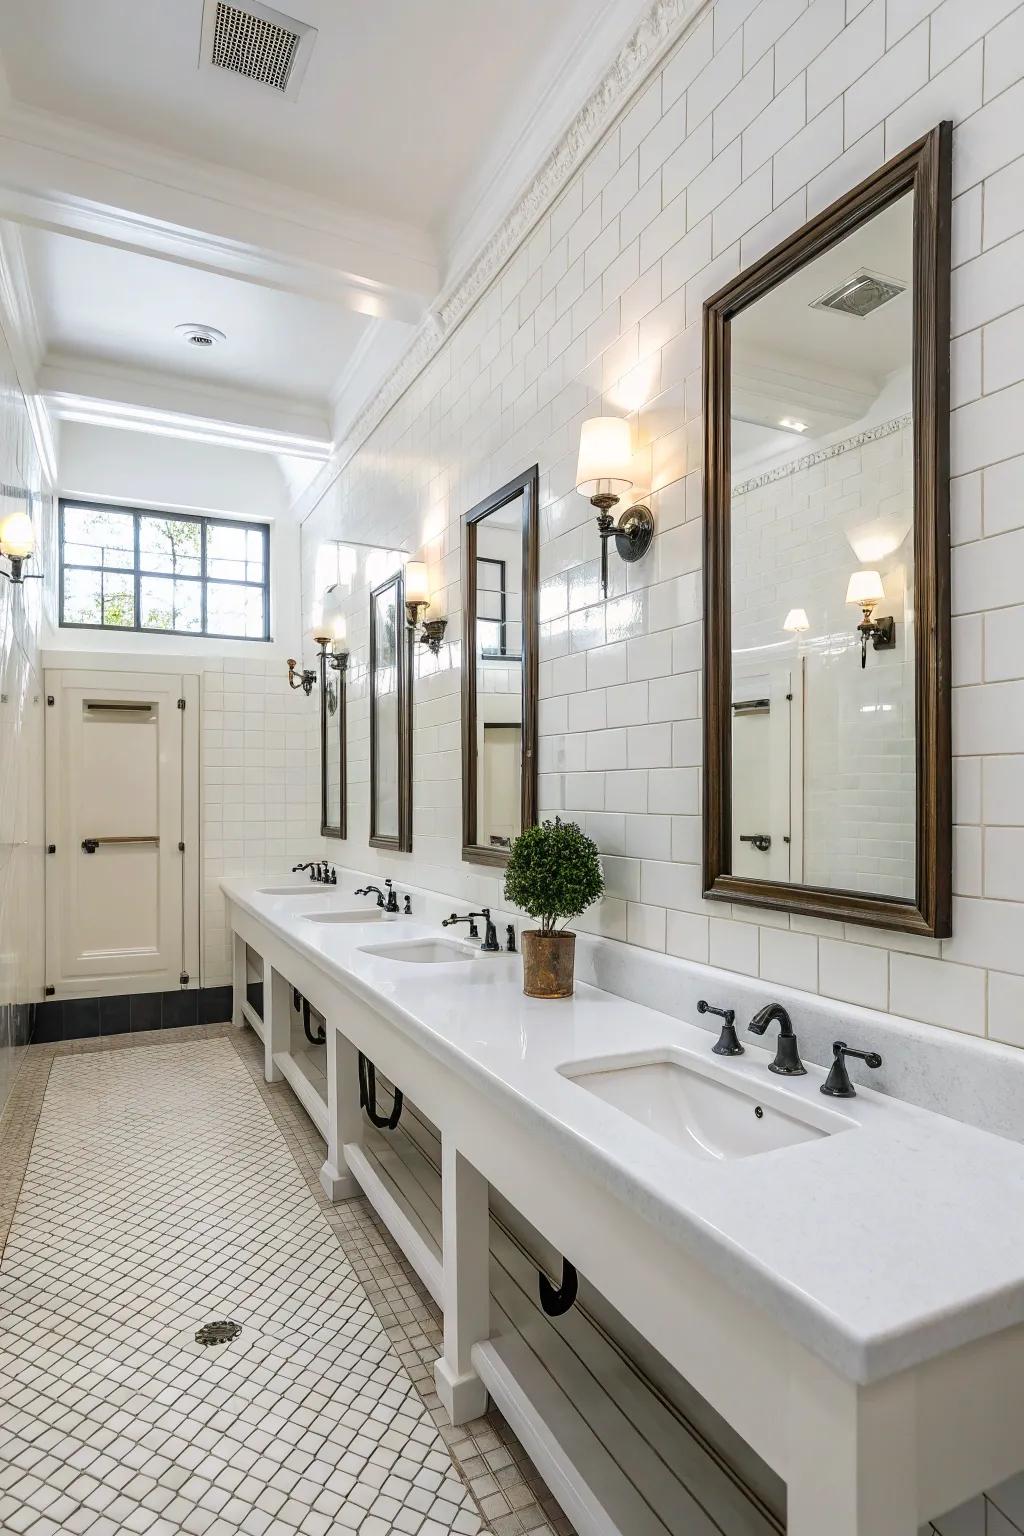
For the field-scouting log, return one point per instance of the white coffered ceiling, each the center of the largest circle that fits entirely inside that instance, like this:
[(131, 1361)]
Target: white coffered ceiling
[(139, 191)]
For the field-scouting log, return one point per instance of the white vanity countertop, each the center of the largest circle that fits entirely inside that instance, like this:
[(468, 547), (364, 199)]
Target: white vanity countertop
[(877, 1248)]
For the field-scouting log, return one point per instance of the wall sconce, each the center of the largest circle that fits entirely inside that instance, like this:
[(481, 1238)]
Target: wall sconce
[(604, 474), (417, 601), (330, 637), (333, 647), (864, 592), (796, 621), (303, 679), (18, 542)]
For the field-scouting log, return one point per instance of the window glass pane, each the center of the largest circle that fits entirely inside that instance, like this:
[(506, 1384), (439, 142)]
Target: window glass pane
[(99, 537), (169, 604), (83, 599), (170, 544), (234, 610), (234, 554), (118, 600)]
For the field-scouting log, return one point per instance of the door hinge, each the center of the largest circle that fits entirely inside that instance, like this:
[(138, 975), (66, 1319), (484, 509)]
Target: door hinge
[(49, 700), (183, 978), (181, 847), (181, 703), (49, 991)]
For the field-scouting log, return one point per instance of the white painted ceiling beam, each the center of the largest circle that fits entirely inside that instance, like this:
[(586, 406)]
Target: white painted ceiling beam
[(100, 395), (63, 177)]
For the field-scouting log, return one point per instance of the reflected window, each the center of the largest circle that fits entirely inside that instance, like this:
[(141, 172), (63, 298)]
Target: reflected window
[(124, 568)]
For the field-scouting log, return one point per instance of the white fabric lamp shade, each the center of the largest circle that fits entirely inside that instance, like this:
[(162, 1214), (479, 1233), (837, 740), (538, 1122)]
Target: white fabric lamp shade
[(796, 621), (605, 465), (865, 589), (417, 585), (17, 536), (320, 634)]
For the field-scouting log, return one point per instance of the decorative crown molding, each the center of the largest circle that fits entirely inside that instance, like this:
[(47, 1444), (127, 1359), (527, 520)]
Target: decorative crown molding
[(661, 28), (820, 455)]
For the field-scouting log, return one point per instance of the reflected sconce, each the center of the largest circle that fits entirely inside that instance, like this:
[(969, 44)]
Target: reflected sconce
[(18, 543), (417, 602), (331, 638), (604, 474), (865, 591), (796, 621)]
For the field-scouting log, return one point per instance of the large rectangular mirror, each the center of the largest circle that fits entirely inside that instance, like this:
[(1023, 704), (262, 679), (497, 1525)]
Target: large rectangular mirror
[(827, 737), (499, 674), (333, 796), (390, 719)]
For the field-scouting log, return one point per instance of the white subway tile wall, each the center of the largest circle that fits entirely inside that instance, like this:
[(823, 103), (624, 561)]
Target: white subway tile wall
[(260, 785), (761, 115), (21, 739)]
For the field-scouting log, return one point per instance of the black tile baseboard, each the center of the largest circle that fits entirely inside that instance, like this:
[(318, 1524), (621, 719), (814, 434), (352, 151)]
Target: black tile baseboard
[(83, 1018)]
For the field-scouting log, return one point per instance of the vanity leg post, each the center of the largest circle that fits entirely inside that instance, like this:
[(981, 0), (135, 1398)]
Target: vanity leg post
[(854, 1455), (467, 1287), (238, 979), (277, 1020), (344, 1119)]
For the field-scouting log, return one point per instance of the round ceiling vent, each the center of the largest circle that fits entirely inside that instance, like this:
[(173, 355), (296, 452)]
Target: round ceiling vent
[(200, 335)]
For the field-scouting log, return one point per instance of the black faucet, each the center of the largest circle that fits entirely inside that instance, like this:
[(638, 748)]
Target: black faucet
[(490, 942), (325, 874), (837, 1085), (311, 867), (787, 1057), (372, 890), (392, 902), (727, 1044)]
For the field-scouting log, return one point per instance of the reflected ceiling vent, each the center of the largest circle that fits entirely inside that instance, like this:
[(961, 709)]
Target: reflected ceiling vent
[(861, 294), (256, 42)]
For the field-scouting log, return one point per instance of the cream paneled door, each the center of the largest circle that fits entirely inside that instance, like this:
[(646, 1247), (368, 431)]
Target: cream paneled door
[(122, 906)]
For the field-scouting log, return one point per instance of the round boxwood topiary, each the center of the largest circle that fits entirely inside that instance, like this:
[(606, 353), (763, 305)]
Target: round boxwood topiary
[(553, 873)]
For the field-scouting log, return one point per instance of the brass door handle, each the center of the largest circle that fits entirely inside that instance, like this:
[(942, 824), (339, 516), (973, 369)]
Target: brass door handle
[(90, 844)]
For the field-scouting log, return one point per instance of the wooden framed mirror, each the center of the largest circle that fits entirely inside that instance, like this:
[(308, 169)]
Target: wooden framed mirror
[(333, 744), (499, 670), (390, 718), (827, 759)]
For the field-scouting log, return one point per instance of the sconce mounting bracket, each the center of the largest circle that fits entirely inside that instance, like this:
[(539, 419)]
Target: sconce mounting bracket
[(633, 533)]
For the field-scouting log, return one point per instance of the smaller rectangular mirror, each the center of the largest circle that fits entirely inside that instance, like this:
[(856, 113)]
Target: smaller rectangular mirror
[(390, 719), (333, 789), (499, 675)]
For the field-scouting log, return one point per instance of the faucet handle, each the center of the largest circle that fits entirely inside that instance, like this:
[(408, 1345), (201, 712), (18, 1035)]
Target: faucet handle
[(838, 1085), (727, 1043)]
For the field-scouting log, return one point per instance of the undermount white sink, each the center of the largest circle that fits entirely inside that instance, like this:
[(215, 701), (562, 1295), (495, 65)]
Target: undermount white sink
[(694, 1107), (367, 915), (314, 888), (421, 951)]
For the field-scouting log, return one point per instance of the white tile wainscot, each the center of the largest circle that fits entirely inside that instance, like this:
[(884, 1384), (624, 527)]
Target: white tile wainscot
[(853, 1307)]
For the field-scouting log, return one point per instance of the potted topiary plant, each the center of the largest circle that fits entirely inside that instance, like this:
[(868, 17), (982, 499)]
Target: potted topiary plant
[(554, 874)]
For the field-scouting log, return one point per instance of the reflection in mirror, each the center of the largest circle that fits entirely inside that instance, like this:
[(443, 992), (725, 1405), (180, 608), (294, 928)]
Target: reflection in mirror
[(499, 678), (826, 493), (333, 798), (823, 758), (390, 734)]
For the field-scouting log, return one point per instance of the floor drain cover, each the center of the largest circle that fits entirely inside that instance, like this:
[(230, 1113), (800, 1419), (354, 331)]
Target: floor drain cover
[(221, 1332)]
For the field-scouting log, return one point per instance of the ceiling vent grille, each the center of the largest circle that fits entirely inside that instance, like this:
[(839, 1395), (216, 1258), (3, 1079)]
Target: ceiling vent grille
[(256, 42), (861, 294)]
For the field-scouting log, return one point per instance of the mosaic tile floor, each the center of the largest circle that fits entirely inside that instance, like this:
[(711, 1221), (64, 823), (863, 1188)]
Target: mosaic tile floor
[(159, 1194)]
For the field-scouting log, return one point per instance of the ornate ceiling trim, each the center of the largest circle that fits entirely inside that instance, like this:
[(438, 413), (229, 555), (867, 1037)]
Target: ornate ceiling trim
[(662, 27)]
